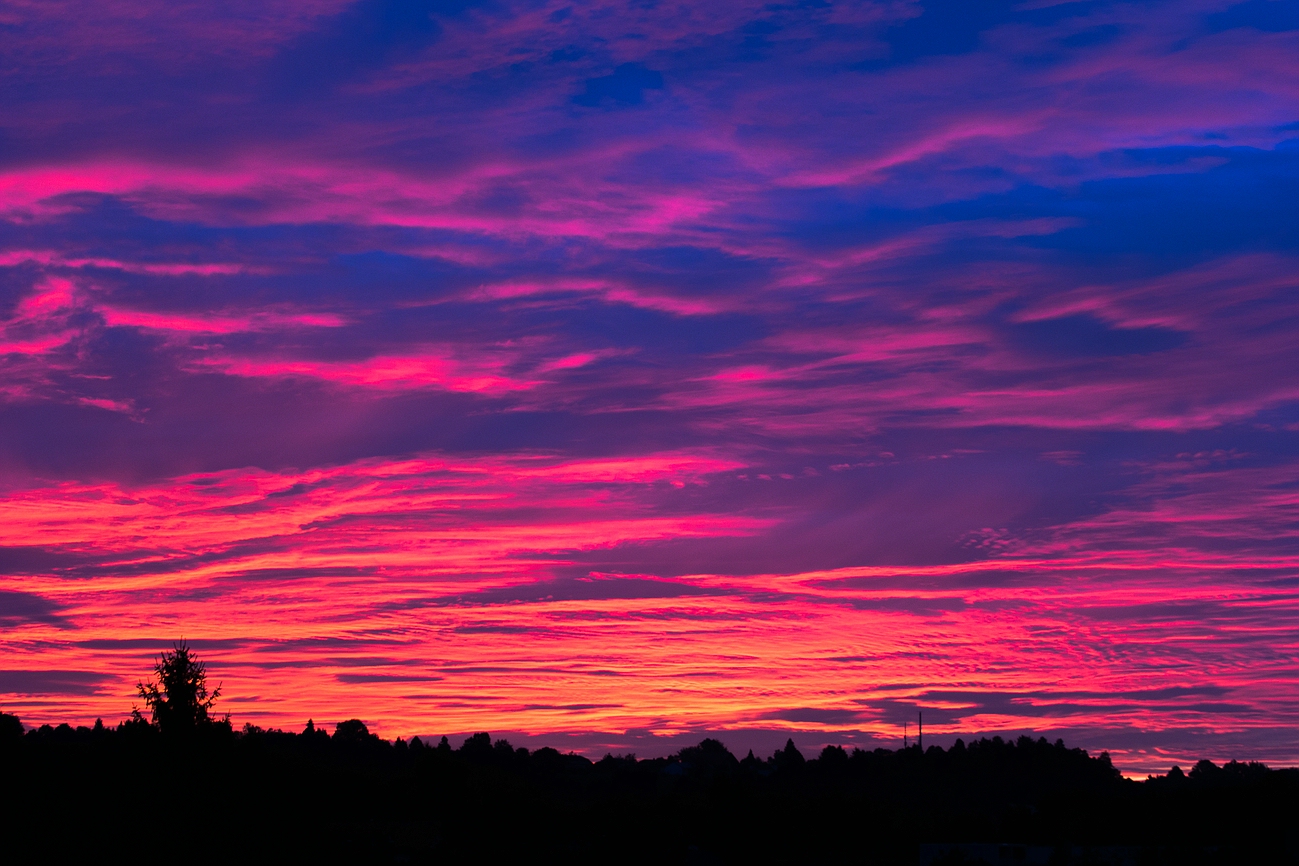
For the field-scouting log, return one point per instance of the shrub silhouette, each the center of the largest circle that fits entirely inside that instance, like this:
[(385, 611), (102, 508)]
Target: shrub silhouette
[(788, 758), (709, 758), (11, 729), (353, 731), (178, 698)]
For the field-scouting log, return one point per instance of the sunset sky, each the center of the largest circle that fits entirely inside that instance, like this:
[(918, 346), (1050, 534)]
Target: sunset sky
[(605, 375)]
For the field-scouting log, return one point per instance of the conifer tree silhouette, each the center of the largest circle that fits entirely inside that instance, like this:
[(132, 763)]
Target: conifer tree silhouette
[(177, 697)]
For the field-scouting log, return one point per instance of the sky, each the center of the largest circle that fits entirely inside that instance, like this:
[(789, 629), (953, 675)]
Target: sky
[(611, 374)]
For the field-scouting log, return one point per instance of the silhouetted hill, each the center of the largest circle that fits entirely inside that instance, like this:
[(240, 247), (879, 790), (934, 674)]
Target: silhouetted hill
[(215, 794)]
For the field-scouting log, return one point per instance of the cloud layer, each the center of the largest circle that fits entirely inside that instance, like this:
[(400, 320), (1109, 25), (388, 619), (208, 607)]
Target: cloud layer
[(621, 371)]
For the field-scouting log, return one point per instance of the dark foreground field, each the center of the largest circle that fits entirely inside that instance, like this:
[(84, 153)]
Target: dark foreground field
[(132, 792)]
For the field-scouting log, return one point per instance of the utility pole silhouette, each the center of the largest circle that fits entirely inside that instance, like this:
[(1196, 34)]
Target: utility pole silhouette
[(904, 735), (922, 731)]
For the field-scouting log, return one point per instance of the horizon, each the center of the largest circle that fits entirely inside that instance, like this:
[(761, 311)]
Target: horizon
[(764, 745), (639, 372)]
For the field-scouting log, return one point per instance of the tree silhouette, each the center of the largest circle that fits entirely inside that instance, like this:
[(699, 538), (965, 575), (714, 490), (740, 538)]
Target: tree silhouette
[(178, 696)]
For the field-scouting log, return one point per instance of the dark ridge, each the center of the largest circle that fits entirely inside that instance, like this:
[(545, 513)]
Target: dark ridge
[(107, 793)]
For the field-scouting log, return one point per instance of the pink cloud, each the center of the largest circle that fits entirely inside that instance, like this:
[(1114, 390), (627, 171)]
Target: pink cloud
[(243, 323), (926, 146), (388, 371), (51, 258)]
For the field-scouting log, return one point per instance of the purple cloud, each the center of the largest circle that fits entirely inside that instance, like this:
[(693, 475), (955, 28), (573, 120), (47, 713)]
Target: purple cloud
[(664, 343)]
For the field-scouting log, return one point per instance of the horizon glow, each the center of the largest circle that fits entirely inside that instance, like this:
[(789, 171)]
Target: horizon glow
[(610, 375)]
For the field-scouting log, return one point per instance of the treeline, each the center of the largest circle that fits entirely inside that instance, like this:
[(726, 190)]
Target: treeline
[(183, 786), (207, 792)]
